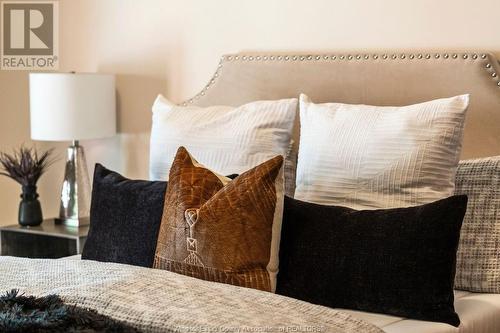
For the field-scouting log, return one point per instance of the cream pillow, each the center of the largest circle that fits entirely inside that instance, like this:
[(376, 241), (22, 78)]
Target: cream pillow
[(369, 157), (229, 139)]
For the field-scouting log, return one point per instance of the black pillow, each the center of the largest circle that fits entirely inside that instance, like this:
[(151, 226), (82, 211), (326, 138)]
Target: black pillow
[(394, 261), (125, 218)]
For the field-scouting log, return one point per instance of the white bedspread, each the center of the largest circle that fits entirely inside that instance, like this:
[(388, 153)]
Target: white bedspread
[(479, 313), (161, 301)]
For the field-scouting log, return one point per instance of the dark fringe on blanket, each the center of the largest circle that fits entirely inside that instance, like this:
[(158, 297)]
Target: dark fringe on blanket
[(30, 314)]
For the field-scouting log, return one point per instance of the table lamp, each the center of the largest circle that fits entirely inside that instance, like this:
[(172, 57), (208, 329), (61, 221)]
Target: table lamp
[(73, 107)]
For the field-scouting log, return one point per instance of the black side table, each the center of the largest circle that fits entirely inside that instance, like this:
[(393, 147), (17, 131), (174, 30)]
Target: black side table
[(48, 240)]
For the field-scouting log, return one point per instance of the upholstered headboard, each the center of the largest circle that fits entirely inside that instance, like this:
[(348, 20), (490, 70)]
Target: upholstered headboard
[(375, 79)]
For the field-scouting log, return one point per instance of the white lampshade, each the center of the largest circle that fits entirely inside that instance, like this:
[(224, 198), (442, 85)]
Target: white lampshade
[(66, 107)]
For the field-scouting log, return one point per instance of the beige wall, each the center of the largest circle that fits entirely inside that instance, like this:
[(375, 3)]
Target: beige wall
[(172, 47)]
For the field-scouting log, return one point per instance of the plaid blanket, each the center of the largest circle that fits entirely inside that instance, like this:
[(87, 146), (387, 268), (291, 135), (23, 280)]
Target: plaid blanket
[(160, 301)]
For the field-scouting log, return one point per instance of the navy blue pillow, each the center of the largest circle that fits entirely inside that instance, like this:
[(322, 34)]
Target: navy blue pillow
[(394, 261), (125, 218)]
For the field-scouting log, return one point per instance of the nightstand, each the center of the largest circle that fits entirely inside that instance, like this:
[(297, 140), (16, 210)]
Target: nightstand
[(48, 240)]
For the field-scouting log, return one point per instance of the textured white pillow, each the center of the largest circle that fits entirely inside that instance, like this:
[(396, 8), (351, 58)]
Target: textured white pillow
[(368, 157), (227, 139)]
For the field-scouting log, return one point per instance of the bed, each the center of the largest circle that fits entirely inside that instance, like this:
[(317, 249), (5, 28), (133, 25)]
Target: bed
[(380, 78), (160, 301)]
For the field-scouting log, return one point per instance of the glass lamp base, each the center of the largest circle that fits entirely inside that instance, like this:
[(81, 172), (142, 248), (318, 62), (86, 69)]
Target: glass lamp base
[(74, 208)]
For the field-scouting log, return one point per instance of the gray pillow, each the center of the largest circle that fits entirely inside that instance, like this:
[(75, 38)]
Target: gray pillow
[(478, 257)]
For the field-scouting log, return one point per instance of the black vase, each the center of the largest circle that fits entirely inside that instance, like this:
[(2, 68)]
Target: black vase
[(30, 210)]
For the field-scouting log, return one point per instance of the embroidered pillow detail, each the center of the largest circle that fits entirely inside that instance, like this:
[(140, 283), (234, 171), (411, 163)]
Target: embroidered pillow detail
[(222, 230)]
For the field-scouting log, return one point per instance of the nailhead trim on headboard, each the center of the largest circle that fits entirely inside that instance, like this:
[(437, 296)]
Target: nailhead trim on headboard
[(348, 57)]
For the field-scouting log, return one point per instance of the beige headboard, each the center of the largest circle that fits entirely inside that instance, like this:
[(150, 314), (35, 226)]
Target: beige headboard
[(375, 79)]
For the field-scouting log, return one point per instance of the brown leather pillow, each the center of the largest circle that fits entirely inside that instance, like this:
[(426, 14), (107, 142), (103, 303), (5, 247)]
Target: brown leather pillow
[(222, 230)]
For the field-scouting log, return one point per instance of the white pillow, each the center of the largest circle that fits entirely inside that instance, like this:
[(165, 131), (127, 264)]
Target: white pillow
[(227, 139), (368, 157)]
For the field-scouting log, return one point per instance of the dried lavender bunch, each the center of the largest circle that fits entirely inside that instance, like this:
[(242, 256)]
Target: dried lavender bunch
[(25, 165)]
